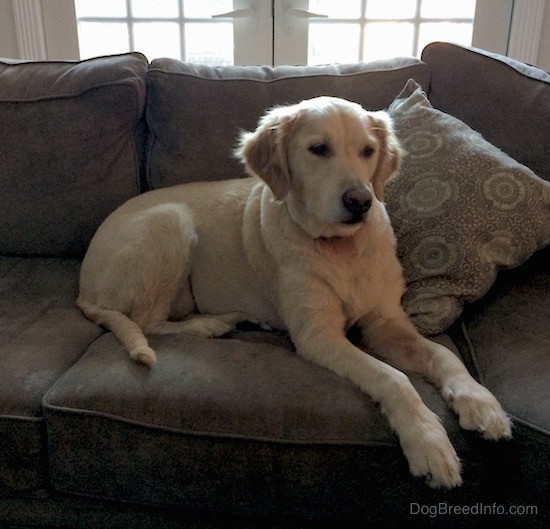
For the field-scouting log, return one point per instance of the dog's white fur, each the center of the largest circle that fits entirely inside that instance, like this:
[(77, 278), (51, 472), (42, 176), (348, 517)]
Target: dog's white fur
[(280, 248)]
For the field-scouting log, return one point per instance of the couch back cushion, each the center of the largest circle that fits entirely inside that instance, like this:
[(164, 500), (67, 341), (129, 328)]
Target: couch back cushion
[(70, 149), (195, 112), (505, 100)]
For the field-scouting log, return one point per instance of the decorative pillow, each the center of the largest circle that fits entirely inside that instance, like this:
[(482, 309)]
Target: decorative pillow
[(461, 209)]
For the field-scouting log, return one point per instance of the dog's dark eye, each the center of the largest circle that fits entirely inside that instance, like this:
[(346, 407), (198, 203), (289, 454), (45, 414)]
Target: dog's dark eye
[(367, 152), (320, 149)]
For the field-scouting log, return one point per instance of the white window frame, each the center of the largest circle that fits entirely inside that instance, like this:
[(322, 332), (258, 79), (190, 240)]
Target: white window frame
[(46, 29)]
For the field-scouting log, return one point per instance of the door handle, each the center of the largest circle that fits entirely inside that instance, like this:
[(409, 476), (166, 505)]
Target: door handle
[(302, 13), (241, 14), (247, 12)]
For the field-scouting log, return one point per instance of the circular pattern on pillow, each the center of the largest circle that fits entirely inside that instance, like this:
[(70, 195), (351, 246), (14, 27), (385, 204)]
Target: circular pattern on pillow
[(430, 193), (504, 191), (422, 143)]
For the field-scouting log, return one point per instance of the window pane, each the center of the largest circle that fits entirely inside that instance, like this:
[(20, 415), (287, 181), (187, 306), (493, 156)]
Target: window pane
[(102, 38), (384, 40), (157, 39), (206, 8), (439, 9), (341, 9), (101, 8), (446, 31), (391, 8), (329, 43), (209, 43), (155, 8)]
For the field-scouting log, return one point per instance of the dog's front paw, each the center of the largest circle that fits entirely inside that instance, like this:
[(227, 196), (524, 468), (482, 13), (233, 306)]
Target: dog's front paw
[(479, 410), (430, 453)]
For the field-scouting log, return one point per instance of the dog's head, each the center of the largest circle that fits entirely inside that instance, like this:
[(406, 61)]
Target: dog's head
[(327, 158)]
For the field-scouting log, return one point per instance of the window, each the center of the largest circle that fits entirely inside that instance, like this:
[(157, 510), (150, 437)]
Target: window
[(270, 31), (158, 28), (355, 30)]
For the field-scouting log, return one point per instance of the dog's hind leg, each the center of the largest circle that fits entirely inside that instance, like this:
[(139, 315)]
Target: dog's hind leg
[(135, 273), (204, 325), (128, 332)]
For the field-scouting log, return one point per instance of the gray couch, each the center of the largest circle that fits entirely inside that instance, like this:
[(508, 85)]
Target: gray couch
[(239, 431)]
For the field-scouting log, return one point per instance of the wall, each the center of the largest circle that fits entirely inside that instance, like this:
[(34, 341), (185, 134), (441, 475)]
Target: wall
[(543, 58), (8, 39)]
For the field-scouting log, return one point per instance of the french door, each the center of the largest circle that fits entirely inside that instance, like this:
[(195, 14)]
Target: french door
[(271, 32)]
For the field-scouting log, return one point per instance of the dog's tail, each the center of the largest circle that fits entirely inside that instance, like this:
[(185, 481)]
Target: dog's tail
[(126, 330)]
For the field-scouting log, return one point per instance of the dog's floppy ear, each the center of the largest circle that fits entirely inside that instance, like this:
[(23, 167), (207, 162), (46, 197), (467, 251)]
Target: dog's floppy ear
[(264, 151), (390, 155)]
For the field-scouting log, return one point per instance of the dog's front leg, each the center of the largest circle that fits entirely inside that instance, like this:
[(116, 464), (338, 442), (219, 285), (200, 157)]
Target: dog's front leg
[(316, 325), (395, 339)]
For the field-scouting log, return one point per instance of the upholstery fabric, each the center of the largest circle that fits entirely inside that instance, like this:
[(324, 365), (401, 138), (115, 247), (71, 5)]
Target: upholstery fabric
[(42, 334), (461, 209), (195, 113), (71, 143), (505, 100), (508, 338), (214, 420)]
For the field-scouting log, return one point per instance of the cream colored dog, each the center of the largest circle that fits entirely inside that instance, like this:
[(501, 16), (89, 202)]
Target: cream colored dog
[(305, 244)]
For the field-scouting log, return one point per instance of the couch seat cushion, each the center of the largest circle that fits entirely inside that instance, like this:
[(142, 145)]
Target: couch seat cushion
[(42, 334), (195, 112), (71, 136), (507, 334), (224, 424), (505, 337)]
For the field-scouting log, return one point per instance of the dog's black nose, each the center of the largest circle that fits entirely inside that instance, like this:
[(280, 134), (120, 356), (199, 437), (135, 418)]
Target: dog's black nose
[(357, 201)]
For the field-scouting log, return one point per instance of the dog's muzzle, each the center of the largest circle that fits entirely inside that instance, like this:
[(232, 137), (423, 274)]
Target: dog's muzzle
[(356, 202)]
